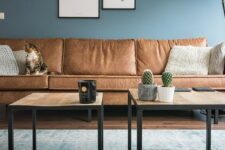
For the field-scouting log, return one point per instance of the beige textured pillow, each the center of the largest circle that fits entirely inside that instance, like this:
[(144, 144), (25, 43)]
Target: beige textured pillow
[(21, 60), (188, 60), (216, 62), (8, 64)]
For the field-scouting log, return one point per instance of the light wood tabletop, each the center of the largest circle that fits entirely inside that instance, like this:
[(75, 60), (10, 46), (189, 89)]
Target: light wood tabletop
[(55, 99), (185, 98)]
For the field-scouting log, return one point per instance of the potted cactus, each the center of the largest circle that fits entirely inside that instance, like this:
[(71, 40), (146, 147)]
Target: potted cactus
[(147, 90), (166, 92)]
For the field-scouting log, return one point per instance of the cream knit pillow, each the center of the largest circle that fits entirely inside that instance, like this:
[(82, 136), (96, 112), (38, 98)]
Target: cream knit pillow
[(188, 60), (8, 64)]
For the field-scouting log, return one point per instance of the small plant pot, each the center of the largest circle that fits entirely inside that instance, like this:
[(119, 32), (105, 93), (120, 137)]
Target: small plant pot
[(147, 92), (166, 94)]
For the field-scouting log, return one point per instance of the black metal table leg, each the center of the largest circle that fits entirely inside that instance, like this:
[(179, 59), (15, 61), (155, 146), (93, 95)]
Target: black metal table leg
[(208, 129), (129, 121), (216, 116), (89, 115), (10, 130), (139, 128), (100, 127), (34, 117)]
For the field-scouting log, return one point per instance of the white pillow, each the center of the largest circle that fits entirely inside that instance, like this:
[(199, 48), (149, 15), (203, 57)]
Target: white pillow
[(188, 60), (8, 64), (21, 60), (216, 62)]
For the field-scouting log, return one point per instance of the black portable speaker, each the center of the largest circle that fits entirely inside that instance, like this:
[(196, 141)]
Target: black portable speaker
[(87, 91)]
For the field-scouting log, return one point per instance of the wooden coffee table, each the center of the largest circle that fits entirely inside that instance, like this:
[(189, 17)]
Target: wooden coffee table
[(182, 101), (53, 101)]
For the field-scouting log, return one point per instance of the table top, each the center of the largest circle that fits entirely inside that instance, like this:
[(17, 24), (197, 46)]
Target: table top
[(55, 99), (185, 98)]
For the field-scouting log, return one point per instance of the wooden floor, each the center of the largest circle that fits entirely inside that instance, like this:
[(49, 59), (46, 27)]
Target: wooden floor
[(115, 118)]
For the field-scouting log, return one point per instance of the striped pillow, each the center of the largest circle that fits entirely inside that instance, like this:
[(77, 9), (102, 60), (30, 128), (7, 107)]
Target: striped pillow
[(8, 64)]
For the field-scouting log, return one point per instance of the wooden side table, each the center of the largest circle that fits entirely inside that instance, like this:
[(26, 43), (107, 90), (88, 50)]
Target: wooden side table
[(182, 101), (53, 101)]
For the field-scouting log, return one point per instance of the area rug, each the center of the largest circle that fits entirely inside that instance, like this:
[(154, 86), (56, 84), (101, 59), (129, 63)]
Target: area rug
[(113, 139)]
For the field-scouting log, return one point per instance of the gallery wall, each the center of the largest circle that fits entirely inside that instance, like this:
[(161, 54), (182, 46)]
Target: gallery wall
[(152, 19)]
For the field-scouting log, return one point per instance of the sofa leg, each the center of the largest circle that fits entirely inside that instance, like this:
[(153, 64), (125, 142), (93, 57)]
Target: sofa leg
[(2, 112), (216, 116), (89, 115)]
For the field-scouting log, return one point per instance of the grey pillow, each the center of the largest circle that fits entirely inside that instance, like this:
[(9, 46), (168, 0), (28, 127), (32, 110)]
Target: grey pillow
[(21, 60), (216, 62), (8, 64)]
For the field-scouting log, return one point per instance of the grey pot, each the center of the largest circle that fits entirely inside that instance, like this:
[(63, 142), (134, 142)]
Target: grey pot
[(147, 92)]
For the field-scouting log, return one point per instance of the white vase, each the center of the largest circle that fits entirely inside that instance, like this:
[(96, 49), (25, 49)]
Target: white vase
[(166, 94)]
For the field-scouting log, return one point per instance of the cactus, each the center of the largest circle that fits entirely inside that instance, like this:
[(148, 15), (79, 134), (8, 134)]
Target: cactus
[(167, 79), (147, 77)]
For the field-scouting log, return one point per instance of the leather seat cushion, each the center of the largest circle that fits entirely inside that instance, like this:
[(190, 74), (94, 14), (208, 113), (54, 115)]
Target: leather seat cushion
[(8, 97), (23, 82), (70, 82), (99, 57), (115, 83), (153, 54), (109, 98), (187, 81), (115, 98), (51, 50)]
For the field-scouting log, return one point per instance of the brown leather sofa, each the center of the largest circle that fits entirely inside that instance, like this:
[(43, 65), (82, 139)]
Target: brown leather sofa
[(116, 65)]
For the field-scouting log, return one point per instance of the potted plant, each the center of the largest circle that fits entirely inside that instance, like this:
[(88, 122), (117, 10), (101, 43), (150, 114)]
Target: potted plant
[(166, 92), (147, 90)]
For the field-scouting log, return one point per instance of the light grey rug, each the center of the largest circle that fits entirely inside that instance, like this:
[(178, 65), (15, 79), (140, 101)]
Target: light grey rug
[(114, 139)]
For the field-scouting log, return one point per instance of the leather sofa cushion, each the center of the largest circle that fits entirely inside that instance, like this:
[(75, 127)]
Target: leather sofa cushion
[(8, 97), (115, 98), (153, 54), (116, 83), (70, 82), (51, 50), (23, 82), (109, 98), (187, 81), (99, 57)]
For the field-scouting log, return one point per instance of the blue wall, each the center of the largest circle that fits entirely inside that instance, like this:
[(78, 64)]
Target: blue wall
[(155, 19)]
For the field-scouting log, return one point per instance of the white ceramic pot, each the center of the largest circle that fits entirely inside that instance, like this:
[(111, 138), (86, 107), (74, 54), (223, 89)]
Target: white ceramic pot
[(166, 94)]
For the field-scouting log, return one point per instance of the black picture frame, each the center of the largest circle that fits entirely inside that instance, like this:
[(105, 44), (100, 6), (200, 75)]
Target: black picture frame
[(64, 17), (135, 3), (223, 3)]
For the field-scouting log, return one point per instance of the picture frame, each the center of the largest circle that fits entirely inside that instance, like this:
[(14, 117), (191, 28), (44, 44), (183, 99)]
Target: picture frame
[(223, 3), (119, 4), (79, 9)]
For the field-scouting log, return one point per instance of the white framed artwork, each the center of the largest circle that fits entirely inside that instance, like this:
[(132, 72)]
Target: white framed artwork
[(119, 4), (79, 9)]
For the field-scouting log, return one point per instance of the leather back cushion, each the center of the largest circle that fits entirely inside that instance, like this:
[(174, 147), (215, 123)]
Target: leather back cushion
[(153, 54), (99, 57), (51, 50)]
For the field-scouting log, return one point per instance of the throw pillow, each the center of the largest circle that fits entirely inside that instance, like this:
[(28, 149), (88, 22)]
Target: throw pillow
[(188, 60), (21, 60), (8, 64), (216, 62)]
